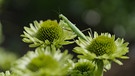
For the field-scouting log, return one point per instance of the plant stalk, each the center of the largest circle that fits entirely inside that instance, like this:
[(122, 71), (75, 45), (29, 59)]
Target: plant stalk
[(100, 67)]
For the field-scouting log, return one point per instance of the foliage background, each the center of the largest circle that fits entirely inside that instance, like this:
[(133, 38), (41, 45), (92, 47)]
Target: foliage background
[(113, 16)]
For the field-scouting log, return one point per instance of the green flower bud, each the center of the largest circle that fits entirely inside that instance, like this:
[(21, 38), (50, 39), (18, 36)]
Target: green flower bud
[(102, 45), (83, 68)]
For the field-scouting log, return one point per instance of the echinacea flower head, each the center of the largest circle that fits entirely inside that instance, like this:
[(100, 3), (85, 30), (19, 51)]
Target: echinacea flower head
[(82, 68), (6, 59), (102, 47), (43, 62), (46, 33)]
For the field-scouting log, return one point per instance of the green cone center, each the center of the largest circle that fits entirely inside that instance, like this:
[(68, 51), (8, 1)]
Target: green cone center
[(42, 62), (102, 45), (50, 30)]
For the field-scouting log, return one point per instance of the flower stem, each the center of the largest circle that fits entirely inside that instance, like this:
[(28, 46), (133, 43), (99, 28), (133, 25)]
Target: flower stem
[(99, 71), (73, 27)]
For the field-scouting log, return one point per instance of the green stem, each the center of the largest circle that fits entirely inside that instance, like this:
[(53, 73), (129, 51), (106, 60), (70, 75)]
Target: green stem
[(99, 71), (73, 27), (1, 36)]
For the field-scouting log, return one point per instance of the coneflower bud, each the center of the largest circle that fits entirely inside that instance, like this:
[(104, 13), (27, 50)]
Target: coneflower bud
[(102, 45), (50, 30), (83, 68)]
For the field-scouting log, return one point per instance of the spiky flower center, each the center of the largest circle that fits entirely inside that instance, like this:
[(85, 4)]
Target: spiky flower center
[(50, 30), (42, 62), (102, 45)]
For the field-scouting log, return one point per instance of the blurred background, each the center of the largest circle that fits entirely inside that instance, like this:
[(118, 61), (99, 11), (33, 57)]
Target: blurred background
[(113, 16)]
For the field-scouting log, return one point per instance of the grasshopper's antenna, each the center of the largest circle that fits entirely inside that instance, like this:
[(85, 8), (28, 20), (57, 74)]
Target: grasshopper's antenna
[(73, 27), (90, 31)]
